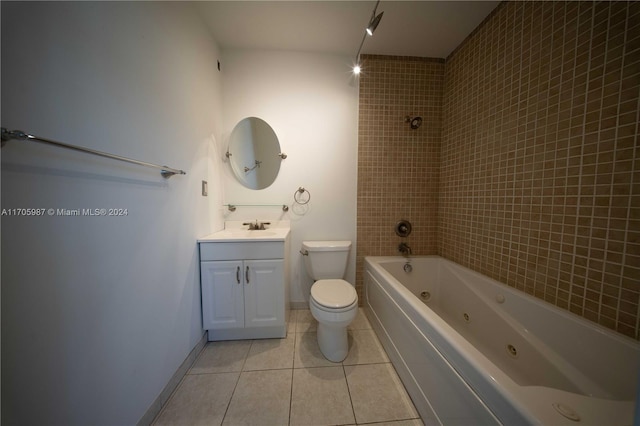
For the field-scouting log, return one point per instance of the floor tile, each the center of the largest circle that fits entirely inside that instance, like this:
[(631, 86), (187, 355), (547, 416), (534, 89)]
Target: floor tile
[(361, 322), (199, 400), (261, 398), (291, 325), (305, 321), (268, 354), (307, 353), (289, 382), (377, 394), (222, 357), (364, 348), (320, 397)]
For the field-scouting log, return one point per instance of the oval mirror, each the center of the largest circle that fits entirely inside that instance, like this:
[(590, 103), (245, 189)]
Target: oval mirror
[(254, 153)]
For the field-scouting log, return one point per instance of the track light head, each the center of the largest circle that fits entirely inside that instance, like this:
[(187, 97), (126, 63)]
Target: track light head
[(374, 24)]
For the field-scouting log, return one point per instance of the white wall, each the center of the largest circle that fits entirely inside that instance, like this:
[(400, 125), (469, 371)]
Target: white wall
[(98, 312), (311, 102)]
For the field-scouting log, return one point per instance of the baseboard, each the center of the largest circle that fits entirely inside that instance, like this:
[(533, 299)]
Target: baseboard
[(173, 383)]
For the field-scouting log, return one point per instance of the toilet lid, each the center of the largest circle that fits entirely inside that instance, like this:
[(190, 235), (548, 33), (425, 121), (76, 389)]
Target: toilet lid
[(333, 293)]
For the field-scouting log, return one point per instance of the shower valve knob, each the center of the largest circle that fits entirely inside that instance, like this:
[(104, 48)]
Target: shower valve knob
[(403, 228)]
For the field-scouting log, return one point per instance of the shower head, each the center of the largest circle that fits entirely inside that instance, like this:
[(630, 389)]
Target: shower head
[(415, 122)]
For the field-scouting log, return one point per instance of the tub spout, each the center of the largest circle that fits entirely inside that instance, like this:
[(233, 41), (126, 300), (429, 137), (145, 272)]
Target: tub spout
[(404, 249)]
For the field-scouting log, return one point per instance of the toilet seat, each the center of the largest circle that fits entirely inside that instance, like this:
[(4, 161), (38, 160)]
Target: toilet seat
[(334, 311), (333, 295)]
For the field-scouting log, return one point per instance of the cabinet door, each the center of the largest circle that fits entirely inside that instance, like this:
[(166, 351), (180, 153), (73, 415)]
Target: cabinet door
[(222, 295), (264, 293)]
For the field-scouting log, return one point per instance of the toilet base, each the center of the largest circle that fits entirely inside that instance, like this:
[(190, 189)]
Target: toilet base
[(332, 329), (333, 342)]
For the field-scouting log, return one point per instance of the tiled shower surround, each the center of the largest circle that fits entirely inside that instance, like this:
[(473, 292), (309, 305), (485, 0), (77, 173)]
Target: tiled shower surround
[(398, 167), (537, 166)]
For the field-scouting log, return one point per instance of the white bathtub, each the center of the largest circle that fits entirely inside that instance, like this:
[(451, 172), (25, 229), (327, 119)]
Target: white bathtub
[(473, 351)]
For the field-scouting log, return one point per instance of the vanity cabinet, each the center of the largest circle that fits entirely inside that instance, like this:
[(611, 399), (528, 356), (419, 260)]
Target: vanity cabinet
[(239, 294), (245, 289)]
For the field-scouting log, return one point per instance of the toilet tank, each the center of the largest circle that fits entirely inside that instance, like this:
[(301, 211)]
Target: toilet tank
[(326, 259)]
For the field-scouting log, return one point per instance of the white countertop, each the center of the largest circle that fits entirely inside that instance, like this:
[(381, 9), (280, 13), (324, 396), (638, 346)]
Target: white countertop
[(236, 232)]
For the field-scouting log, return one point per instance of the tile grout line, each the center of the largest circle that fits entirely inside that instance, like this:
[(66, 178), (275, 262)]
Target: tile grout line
[(235, 387), (353, 410), (611, 184), (573, 286), (593, 213), (293, 366), (291, 397), (631, 187)]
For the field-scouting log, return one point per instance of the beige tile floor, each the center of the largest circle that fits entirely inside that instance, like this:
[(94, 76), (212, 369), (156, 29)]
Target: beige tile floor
[(288, 382)]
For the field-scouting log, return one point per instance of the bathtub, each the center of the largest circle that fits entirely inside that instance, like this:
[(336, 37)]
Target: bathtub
[(473, 351)]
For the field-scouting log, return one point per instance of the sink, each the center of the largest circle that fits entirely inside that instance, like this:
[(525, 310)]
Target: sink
[(244, 233), (235, 234), (239, 233)]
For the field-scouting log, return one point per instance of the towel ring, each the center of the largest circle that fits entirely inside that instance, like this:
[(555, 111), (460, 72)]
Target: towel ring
[(299, 196)]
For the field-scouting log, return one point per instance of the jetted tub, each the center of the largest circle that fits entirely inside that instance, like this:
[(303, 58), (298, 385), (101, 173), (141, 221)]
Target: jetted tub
[(473, 351)]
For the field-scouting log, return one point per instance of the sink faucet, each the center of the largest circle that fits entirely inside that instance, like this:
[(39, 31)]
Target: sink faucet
[(257, 226), (253, 226), (404, 249)]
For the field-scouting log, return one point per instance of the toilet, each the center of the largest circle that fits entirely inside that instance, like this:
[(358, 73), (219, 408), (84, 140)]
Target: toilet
[(333, 301)]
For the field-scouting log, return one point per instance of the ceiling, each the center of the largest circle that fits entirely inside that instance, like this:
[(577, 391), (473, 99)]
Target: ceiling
[(408, 28)]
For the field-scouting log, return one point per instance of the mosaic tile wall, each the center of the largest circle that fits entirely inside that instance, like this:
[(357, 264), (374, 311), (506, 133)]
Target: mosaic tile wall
[(398, 167), (527, 165), (540, 159)]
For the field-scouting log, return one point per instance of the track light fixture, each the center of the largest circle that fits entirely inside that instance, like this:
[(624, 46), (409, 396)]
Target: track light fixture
[(373, 24)]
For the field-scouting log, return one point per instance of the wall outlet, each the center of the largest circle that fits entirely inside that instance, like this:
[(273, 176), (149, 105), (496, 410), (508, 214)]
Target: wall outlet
[(204, 188)]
